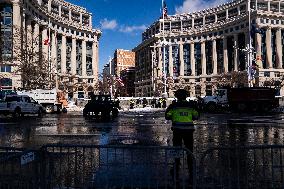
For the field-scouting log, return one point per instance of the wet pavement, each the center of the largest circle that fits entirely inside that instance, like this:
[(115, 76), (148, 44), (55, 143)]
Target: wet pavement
[(141, 128)]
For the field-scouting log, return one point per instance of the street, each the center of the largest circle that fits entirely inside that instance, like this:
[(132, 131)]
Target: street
[(140, 128)]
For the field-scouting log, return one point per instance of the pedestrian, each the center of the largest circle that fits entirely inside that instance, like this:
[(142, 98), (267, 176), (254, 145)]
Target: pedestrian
[(182, 114)]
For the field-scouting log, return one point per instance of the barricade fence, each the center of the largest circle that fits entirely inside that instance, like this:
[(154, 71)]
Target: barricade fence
[(242, 167), (15, 169), (92, 166)]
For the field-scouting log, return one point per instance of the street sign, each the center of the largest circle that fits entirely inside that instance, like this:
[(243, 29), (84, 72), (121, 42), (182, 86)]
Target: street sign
[(27, 158)]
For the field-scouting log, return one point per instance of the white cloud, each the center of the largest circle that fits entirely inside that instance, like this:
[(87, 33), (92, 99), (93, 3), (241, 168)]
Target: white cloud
[(108, 24), (130, 29), (196, 5)]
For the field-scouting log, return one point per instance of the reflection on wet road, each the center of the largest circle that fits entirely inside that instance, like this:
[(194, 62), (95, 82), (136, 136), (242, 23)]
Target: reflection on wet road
[(139, 128)]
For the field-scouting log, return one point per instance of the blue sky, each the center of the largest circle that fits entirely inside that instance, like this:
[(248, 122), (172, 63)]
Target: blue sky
[(123, 21)]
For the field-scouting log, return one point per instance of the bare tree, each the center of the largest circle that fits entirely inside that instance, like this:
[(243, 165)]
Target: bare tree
[(30, 62), (232, 79)]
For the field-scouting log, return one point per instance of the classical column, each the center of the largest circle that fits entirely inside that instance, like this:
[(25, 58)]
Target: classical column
[(160, 62), (278, 48), (90, 21), (236, 52), (203, 58), (214, 57), (192, 58), (36, 40), (49, 6), (171, 69), (29, 35), (44, 46), (258, 44), (268, 48), (63, 54), (17, 30), (181, 59), (73, 56), (60, 10), (81, 18), (95, 59), (53, 56), (225, 54), (84, 59)]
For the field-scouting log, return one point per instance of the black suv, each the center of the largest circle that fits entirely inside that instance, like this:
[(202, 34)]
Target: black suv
[(101, 107)]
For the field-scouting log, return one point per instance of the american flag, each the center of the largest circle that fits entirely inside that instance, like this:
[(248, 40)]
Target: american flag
[(119, 80)]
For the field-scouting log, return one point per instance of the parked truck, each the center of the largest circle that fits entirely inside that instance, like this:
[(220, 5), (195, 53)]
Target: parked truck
[(52, 100), (18, 105), (255, 99), (101, 107)]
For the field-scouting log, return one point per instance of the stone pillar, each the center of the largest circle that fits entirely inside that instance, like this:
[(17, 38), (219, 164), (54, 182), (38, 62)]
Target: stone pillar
[(49, 6), (181, 59), (214, 57), (192, 58), (160, 62), (81, 18), (258, 41), (44, 47), (63, 54), (90, 21), (36, 40), (278, 49), (236, 53), (17, 30), (59, 10), (95, 59), (203, 58), (84, 59), (268, 48), (225, 54), (53, 56), (171, 70), (29, 35), (73, 56)]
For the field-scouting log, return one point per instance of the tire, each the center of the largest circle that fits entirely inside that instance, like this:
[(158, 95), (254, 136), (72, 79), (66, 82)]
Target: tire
[(49, 109), (211, 107), (17, 113), (64, 110)]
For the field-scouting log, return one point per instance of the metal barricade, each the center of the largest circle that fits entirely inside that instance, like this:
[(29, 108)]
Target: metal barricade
[(242, 167), (19, 169), (92, 166)]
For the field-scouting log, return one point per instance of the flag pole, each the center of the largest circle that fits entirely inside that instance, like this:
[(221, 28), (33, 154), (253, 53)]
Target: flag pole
[(49, 56), (164, 50), (249, 48)]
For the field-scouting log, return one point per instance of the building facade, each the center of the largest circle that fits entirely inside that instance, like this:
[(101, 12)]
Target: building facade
[(123, 59), (200, 46), (59, 33), (128, 78)]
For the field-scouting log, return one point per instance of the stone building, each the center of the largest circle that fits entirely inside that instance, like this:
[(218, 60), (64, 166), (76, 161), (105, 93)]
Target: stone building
[(123, 59), (128, 78), (201, 46), (60, 31)]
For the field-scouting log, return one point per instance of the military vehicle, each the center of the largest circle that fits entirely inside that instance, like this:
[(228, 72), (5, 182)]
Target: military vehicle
[(101, 107)]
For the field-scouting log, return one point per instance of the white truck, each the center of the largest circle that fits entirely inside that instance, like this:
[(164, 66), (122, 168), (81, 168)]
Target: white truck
[(51, 100), (18, 105)]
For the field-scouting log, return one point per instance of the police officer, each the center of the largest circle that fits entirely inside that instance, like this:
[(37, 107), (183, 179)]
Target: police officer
[(182, 114)]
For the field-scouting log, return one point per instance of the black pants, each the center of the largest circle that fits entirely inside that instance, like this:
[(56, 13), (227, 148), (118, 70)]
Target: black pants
[(185, 135)]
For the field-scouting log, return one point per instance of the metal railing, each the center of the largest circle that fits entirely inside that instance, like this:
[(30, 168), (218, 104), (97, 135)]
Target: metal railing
[(16, 169), (242, 167), (91, 166)]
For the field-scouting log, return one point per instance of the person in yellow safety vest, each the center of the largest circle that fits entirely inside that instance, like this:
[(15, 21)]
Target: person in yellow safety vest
[(182, 114)]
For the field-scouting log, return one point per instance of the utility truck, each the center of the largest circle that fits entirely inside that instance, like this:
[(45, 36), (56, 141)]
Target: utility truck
[(255, 99), (18, 105), (52, 100)]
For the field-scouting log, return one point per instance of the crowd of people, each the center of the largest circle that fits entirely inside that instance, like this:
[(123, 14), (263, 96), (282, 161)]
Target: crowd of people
[(143, 102)]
